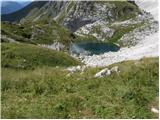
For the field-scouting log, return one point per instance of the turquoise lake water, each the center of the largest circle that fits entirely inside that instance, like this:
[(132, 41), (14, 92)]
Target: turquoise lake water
[(91, 48)]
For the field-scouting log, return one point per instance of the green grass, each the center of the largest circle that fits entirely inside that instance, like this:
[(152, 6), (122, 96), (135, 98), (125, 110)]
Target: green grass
[(16, 32), (35, 83), (40, 32), (86, 38), (56, 33), (47, 92), (27, 56), (50, 32)]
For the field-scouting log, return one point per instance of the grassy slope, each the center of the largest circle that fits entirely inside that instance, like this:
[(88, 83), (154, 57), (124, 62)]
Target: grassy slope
[(50, 33), (49, 93), (45, 32), (27, 56), (16, 32)]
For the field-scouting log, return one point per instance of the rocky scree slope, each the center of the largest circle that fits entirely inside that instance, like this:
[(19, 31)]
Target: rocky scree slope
[(75, 15), (43, 22), (72, 11), (87, 12), (141, 42)]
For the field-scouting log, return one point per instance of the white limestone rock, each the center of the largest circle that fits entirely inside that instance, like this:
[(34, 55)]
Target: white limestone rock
[(97, 29), (72, 69), (55, 46), (103, 73), (76, 68), (154, 110), (115, 69)]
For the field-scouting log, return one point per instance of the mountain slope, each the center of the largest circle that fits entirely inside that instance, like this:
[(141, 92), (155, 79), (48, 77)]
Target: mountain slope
[(106, 21), (27, 56), (87, 12), (67, 12), (52, 93), (38, 82), (42, 32), (77, 14)]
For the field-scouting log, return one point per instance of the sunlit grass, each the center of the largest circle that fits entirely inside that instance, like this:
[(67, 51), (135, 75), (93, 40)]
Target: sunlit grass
[(49, 92)]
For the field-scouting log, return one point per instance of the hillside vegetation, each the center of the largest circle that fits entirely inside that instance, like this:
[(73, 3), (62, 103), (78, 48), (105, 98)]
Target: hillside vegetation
[(50, 93), (27, 56), (41, 79), (42, 32)]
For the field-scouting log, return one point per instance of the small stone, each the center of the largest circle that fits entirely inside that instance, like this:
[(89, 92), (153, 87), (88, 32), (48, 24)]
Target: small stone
[(114, 69), (154, 110)]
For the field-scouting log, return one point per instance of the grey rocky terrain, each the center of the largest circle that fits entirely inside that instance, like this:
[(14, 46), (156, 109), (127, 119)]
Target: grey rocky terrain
[(128, 24)]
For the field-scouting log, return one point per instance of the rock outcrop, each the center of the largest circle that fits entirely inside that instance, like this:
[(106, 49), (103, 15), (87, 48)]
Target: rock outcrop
[(76, 68), (134, 37), (97, 29), (55, 46), (88, 12), (107, 72), (74, 14), (103, 73)]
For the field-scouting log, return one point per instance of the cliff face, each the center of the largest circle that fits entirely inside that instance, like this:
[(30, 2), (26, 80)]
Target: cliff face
[(83, 12), (106, 21), (74, 14)]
